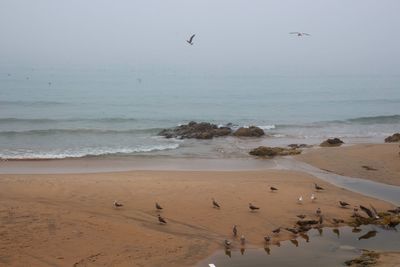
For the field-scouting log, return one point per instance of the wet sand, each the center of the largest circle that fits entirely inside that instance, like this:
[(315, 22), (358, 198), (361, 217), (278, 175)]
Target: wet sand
[(68, 219), (377, 162)]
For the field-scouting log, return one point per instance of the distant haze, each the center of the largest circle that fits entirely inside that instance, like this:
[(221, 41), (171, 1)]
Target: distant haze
[(348, 36)]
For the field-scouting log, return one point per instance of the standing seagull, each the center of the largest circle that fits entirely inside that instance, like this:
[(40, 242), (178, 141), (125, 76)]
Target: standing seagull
[(234, 230), (117, 204), (276, 231), (318, 212), (242, 240), (317, 187), (190, 41), (300, 34), (161, 219), (300, 200), (343, 204), (252, 207), (158, 207), (313, 198), (215, 204)]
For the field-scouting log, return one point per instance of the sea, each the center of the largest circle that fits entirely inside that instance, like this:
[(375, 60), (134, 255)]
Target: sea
[(75, 112)]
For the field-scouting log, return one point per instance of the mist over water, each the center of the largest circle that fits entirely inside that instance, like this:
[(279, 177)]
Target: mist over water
[(71, 112)]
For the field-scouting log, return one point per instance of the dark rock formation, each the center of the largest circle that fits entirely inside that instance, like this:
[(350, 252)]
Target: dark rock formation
[(307, 222), (368, 258), (252, 131), (332, 142), (202, 130), (393, 138), (264, 151)]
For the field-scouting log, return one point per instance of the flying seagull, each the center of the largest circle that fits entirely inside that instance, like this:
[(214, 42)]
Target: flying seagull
[(215, 204), (161, 219), (158, 207), (117, 204), (190, 41), (300, 34), (252, 207)]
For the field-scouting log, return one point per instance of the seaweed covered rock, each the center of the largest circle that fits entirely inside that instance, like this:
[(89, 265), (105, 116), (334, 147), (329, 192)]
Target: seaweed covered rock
[(368, 258), (202, 130), (264, 151), (332, 142), (393, 138), (252, 131)]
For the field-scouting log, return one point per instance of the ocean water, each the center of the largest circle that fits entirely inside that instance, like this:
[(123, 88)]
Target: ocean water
[(76, 112)]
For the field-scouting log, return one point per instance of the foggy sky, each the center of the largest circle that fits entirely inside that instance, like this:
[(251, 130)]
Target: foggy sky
[(348, 36)]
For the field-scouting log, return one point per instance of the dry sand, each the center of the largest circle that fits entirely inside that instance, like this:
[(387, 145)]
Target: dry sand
[(69, 220), (381, 161)]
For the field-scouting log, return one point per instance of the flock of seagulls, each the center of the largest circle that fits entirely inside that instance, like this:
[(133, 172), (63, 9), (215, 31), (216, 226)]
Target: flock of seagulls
[(299, 34), (302, 226)]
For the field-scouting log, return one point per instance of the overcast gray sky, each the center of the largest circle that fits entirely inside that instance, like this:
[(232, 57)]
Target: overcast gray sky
[(348, 36)]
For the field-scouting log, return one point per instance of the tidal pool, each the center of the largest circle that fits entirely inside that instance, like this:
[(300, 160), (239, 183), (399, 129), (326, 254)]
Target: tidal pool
[(329, 247)]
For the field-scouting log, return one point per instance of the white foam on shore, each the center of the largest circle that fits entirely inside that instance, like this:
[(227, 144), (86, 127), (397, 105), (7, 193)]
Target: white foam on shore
[(84, 152)]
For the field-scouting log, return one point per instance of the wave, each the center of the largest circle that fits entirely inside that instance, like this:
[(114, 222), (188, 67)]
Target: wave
[(390, 119), (43, 120), (89, 152), (387, 119), (78, 131), (31, 103)]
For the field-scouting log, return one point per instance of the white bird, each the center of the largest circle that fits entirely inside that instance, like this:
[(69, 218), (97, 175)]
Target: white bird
[(190, 41), (300, 34), (242, 240), (300, 200), (313, 198), (227, 243)]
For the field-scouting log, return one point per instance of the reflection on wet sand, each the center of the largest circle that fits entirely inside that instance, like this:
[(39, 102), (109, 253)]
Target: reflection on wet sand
[(335, 246), (368, 235), (336, 232)]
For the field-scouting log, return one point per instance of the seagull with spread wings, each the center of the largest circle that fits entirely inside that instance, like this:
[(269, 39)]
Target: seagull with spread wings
[(190, 41), (300, 34)]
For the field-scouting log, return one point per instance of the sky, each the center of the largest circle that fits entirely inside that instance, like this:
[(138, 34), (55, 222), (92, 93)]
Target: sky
[(348, 36)]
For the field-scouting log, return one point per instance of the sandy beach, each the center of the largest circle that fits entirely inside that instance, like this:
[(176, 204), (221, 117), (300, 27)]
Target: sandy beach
[(377, 162), (69, 219)]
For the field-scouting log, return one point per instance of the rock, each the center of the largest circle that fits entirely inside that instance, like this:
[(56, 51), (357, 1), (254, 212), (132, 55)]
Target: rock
[(307, 222), (299, 146), (202, 130), (264, 151), (393, 138), (332, 142), (368, 258), (252, 131)]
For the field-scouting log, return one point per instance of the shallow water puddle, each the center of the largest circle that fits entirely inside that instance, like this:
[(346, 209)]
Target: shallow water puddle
[(331, 247), (389, 193)]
